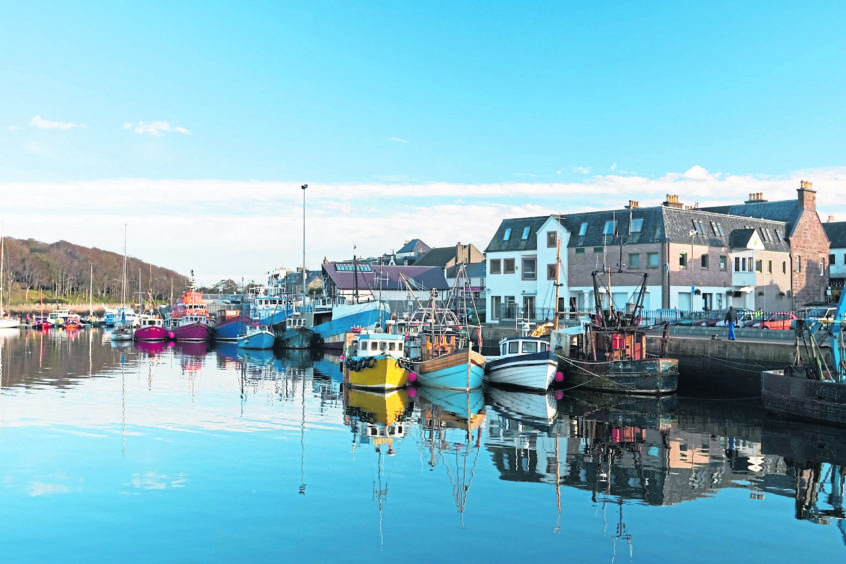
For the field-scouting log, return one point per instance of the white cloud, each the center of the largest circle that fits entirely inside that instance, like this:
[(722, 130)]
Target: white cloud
[(42, 123), (13, 127), (613, 166), (156, 128), (381, 214), (581, 169), (397, 140)]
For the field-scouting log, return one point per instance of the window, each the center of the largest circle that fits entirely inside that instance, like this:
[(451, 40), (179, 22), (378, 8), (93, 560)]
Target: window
[(529, 307), (580, 250), (551, 239), (598, 249), (822, 266), (530, 347), (737, 264), (831, 259), (717, 229), (783, 266), (508, 266), (496, 266), (759, 265), (683, 260), (723, 262), (798, 263), (698, 227), (634, 260), (525, 233), (583, 229), (769, 267), (507, 235), (637, 225), (496, 307), (652, 260), (610, 227), (552, 272), (703, 262), (778, 235), (529, 269)]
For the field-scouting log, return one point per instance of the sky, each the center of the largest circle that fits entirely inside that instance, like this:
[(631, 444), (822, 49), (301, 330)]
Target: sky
[(196, 123)]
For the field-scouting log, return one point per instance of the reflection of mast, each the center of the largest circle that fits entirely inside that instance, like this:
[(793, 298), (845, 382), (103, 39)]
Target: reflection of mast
[(123, 404), (380, 494), (302, 442)]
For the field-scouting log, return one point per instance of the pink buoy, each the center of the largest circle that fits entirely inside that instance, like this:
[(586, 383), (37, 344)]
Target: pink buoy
[(412, 392), (412, 377), (342, 357), (559, 376), (559, 394)]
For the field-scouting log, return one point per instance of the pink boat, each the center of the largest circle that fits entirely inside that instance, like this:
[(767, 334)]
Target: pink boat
[(190, 319), (152, 329)]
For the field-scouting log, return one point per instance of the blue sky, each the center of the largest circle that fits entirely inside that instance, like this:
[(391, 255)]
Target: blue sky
[(196, 122)]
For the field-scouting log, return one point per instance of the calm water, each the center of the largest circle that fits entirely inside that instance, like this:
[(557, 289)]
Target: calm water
[(183, 454)]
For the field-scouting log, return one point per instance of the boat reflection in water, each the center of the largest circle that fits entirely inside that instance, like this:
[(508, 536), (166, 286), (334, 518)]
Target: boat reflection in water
[(379, 419), (815, 456), (192, 355), (152, 348), (451, 424)]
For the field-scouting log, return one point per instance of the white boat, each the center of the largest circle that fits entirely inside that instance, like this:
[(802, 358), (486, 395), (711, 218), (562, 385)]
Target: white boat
[(524, 362)]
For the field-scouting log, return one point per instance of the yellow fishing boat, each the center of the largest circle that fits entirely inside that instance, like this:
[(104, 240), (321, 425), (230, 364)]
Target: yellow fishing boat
[(374, 361)]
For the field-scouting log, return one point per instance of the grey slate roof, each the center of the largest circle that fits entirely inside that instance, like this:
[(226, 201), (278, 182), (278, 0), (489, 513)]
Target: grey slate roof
[(438, 256), (516, 242), (386, 277), (836, 232), (662, 224), (787, 211), (473, 270), (414, 246)]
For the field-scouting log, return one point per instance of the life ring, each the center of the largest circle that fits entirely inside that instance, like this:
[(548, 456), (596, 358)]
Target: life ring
[(371, 362)]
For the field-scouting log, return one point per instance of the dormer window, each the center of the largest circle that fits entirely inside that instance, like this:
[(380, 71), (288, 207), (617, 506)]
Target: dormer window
[(525, 233), (507, 235), (583, 229), (610, 227), (637, 225)]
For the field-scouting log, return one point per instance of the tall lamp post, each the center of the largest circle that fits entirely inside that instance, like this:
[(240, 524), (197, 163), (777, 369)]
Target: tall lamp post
[(304, 187)]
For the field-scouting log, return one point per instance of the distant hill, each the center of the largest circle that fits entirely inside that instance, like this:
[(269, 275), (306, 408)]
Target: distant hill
[(62, 272)]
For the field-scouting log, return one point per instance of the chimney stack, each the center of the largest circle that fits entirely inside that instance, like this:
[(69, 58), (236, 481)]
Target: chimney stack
[(831, 219), (633, 205), (755, 198), (807, 195), (673, 201)]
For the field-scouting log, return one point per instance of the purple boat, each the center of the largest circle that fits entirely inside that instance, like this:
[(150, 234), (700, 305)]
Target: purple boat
[(190, 319)]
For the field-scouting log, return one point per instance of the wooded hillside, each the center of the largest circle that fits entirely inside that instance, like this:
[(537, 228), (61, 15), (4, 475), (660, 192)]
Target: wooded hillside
[(62, 272)]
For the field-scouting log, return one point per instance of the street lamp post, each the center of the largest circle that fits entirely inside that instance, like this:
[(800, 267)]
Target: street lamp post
[(303, 187)]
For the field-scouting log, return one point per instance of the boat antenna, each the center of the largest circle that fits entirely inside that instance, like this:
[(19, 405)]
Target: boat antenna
[(304, 187)]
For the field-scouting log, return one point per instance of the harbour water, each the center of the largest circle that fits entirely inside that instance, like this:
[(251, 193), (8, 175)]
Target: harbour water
[(189, 453)]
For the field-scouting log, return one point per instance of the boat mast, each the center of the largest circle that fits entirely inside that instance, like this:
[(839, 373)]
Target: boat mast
[(557, 283), (123, 291), (304, 187), (91, 291)]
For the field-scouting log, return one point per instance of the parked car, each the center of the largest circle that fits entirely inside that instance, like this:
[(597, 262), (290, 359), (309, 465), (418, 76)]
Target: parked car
[(744, 316), (781, 320), (712, 319), (691, 318)]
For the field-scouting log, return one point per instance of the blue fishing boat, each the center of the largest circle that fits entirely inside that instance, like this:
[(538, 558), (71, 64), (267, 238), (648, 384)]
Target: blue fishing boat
[(256, 336), (346, 317)]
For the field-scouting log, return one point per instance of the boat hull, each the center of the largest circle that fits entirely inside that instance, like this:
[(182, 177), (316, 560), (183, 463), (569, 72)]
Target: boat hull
[(122, 334), (652, 376), (195, 332), (8, 323), (451, 371), (152, 333), (297, 338), (537, 410), (535, 371), (262, 340), (331, 334), (374, 373), (230, 329), (803, 398)]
